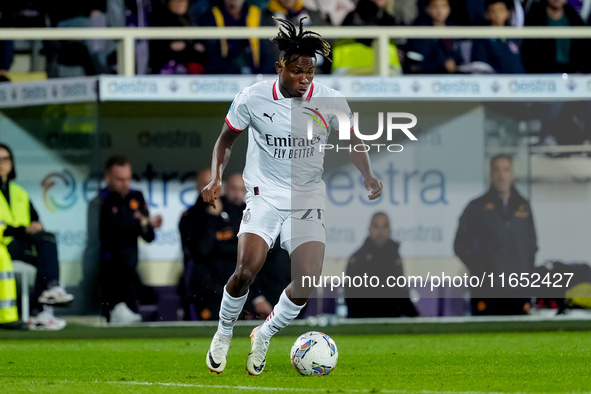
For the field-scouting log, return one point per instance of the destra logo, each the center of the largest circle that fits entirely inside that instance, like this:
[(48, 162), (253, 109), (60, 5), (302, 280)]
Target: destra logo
[(133, 87), (532, 86), (59, 191), (205, 86), (345, 129), (455, 87)]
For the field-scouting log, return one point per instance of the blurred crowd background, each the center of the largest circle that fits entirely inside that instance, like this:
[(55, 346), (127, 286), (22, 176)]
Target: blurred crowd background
[(350, 56)]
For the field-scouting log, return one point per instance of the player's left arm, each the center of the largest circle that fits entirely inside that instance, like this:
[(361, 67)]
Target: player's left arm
[(361, 161)]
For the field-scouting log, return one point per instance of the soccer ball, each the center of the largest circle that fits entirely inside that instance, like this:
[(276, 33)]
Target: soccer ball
[(314, 354)]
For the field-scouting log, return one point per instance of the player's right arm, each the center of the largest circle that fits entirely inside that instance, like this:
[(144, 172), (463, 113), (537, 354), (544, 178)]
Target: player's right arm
[(237, 120), (220, 157)]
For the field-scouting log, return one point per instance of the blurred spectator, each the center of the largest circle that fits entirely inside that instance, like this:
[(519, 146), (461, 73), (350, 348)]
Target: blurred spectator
[(67, 58), (405, 12), (496, 235), (434, 55), (90, 284), (10, 16), (6, 46), (502, 54), (369, 13), (378, 257), (6, 58), (232, 56), (335, 10), (292, 10), (136, 15), (583, 8), (175, 56), (517, 13), (564, 123), (124, 217), (562, 55), (469, 13), (122, 13), (197, 9), (462, 12), (209, 236), (357, 56), (23, 13), (210, 246), (27, 240), (61, 10)]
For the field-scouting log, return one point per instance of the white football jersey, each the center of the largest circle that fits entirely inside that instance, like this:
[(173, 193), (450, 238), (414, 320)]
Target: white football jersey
[(283, 165)]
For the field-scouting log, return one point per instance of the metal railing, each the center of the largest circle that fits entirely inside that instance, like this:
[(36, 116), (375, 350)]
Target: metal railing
[(383, 35)]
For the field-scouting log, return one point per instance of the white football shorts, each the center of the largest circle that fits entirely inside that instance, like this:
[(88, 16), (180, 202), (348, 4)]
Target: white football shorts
[(296, 227)]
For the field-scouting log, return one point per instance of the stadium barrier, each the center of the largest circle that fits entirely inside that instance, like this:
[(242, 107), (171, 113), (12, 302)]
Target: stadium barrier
[(127, 36)]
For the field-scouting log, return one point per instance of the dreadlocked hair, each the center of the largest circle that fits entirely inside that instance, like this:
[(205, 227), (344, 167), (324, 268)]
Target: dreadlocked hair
[(291, 42)]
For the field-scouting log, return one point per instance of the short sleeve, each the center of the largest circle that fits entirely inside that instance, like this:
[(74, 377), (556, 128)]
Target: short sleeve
[(238, 117), (340, 103)]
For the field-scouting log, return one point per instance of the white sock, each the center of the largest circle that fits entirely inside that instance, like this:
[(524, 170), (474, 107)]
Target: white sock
[(48, 309), (229, 311), (283, 314)]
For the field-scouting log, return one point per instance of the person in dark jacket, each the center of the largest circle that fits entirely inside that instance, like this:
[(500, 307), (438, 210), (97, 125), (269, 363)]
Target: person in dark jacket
[(209, 236), (496, 235), (175, 56), (369, 13), (378, 257), (209, 239), (502, 54), (232, 56), (434, 55), (123, 218), (562, 55)]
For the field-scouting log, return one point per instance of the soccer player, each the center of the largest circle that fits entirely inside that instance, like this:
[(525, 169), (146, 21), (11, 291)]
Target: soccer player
[(285, 193)]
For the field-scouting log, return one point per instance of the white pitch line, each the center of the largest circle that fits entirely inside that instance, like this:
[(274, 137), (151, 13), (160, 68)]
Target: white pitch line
[(279, 389)]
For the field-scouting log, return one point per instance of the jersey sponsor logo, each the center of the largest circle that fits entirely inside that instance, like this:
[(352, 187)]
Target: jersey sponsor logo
[(290, 141)]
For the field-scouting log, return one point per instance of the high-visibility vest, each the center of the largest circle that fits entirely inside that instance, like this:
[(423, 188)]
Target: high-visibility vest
[(253, 19), (358, 59), (8, 309), (18, 213)]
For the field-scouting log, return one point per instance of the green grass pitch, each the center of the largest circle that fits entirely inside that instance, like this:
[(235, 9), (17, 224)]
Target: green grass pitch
[(531, 362)]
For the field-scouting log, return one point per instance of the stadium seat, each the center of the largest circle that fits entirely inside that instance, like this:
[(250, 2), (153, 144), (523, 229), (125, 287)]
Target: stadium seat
[(25, 271)]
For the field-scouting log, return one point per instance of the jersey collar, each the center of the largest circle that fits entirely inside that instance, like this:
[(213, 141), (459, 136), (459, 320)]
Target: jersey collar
[(278, 96)]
